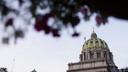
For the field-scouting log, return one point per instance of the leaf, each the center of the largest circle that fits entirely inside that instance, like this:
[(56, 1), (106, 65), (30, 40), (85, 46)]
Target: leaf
[(21, 2), (5, 40), (99, 20), (55, 33), (19, 34), (41, 23), (75, 34), (9, 22), (75, 21), (5, 10), (38, 24)]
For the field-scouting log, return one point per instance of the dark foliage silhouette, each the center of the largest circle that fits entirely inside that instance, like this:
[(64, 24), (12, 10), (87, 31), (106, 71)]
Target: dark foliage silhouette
[(64, 13)]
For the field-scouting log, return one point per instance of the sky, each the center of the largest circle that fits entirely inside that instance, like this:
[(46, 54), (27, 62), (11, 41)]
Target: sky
[(47, 54)]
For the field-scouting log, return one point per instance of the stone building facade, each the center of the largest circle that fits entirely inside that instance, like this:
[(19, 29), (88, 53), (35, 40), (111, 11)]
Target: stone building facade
[(95, 57), (123, 70)]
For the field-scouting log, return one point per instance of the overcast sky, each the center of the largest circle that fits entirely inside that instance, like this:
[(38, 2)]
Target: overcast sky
[(47, 54)]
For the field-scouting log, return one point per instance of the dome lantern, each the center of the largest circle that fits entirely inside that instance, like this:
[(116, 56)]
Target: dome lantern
[(93, 35)]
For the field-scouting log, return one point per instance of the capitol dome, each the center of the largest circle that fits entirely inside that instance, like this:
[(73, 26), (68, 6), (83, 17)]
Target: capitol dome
[(94, 42), (95, 56)]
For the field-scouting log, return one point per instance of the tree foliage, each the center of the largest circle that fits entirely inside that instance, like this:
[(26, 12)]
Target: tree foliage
[(3, 69), (63, 12), (34, 70)]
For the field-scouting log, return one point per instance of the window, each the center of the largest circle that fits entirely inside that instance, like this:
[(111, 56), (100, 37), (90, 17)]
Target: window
[(98, 55), (91, 55), (102, 42), (106, 44), (81, 58), (105, 54), (110, 55), (97, 44), (91, 41), (84, 56), (96, 41)]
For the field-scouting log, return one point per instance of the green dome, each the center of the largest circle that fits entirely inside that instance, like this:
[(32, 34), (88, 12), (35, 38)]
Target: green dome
[(95, 42)]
